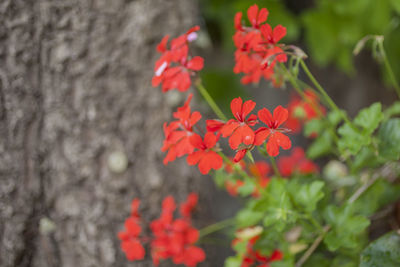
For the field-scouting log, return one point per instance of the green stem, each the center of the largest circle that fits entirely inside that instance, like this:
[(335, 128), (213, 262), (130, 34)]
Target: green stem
[(296, 86), (210, 100), (323, 93), (388, 67), (216, 227), (275, 167)]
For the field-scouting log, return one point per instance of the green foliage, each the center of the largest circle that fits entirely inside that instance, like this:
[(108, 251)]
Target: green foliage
[(369, 118), (346, 227), (389, 139), (383, 252), (306, 196)]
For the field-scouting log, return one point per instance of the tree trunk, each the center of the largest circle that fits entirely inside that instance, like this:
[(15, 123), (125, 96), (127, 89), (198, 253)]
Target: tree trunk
[(75, 101)]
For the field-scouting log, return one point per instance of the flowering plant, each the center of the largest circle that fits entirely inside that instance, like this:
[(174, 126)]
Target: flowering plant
[(296, 212)]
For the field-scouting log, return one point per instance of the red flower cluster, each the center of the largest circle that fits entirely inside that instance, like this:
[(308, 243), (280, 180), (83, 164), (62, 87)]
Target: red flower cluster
[(180, 140), (301, 110), (255, 258), (172, 238), (257, 48), (296, 163), (130, 241), (177, 133), (174, 68), (243, 138)]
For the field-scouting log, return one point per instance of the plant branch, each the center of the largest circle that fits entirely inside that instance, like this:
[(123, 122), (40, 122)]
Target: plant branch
[(210, 100)]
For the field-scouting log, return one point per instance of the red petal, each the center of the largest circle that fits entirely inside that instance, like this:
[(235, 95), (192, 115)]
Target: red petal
[(248, 106), (183, 80), (193, 29), (196, 141), (236, 107), (194, 118), (135, 207), (193, 255), (210, 140), (194, 158), (239, 155), (243, 134), (238, 21), (132, 226), (265, 116), (266, 32), (262, 16), (162, 46), (275, 141), (278, 33), (229, 127), (168, 204), (280, 116), (214, 125), (252, 14), (133, 250), (195, 63)]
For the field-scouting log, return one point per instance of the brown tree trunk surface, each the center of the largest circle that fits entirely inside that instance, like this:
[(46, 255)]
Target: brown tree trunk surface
[(75, 96)]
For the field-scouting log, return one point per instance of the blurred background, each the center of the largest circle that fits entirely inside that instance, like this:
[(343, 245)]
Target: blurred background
[(81, 126)]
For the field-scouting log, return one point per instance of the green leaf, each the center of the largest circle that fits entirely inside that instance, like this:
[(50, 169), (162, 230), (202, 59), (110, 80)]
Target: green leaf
[(369, 118), (346, 227), (233, 262), (248, 217), (389, 139), (335, 117), (352, 140), (396, 5), (377, 196), (393, 109), (382, 252), (321, 146), (306, 195)]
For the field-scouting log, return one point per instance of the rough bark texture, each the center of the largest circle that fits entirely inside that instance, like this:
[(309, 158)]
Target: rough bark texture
[(75, 89)]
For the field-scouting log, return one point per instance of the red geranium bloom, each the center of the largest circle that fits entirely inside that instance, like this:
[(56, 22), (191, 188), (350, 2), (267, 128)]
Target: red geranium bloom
[(254, 257), (239, 128), (175, 67), (301, 110), (175, 238), (257, 46), (205, 156), (187, 207), (296, 163), (177, 133), (130, 242), (274, 134)]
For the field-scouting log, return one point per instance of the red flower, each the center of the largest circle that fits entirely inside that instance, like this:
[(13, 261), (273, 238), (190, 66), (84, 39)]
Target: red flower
[(187, 207), (255, 17), (257, 46), (175, 238), (239, 128), (296, 163), (177, 133), (206, 157), (301, 110), (174, 67), (130, 242), (254, 257), (274, 134)]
